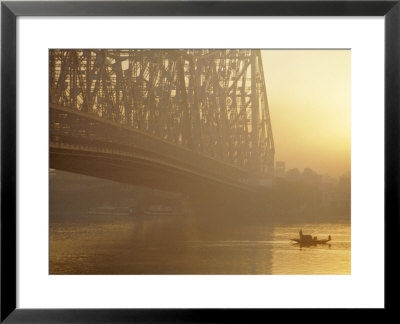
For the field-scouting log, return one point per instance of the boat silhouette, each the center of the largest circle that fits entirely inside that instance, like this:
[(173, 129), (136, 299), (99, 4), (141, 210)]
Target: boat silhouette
[(306, 240)]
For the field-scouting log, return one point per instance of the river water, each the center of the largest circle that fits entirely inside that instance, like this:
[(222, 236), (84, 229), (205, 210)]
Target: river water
[(83, 243), (175, 245)]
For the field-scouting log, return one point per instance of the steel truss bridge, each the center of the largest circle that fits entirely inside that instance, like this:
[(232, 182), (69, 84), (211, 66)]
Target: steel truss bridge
[(180, 120)]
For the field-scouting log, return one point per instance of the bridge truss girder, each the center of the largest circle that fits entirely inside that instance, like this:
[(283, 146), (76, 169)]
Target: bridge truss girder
[(211, 101)]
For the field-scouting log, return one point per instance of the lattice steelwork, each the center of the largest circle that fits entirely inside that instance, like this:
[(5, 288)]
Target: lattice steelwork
[(210, 101)]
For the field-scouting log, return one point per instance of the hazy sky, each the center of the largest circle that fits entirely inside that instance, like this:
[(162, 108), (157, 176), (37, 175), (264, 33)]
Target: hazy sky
[(309, 101)]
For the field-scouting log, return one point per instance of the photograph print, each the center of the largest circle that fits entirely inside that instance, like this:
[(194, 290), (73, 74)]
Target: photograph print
[(200, 161)]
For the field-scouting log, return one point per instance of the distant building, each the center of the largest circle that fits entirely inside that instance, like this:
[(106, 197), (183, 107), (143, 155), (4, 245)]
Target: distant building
[(280, 169), (293, 174)]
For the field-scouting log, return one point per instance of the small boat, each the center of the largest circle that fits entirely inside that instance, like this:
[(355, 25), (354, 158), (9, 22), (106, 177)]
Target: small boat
[(305, 240)]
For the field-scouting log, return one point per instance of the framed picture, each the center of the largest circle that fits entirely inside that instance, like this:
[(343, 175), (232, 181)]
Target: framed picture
[(168, 161)]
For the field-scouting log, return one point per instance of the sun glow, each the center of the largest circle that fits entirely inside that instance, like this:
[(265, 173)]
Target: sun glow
[(309, 95)]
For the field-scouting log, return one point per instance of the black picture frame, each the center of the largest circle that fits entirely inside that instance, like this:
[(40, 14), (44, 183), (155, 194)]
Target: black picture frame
[(10, 10)]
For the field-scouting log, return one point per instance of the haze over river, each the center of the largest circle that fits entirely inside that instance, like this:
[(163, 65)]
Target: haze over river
[(88, 243)]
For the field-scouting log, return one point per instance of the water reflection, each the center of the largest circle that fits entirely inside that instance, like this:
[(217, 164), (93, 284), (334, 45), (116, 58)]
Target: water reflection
[(185, 243)]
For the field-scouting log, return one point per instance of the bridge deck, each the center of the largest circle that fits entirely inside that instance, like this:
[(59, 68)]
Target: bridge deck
[(92, 145)]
